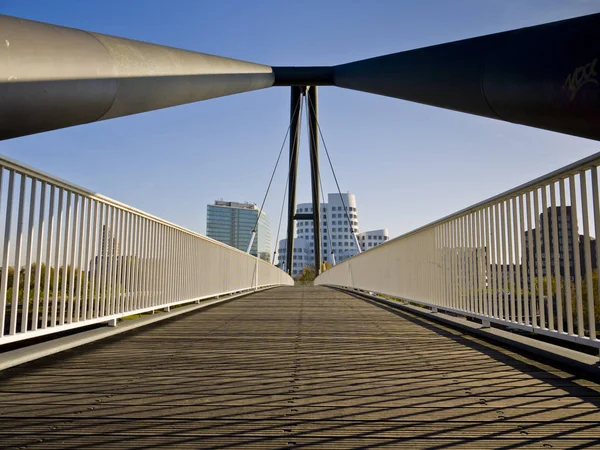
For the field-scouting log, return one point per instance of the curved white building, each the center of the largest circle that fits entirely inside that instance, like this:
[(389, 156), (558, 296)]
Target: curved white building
[(337, 241)]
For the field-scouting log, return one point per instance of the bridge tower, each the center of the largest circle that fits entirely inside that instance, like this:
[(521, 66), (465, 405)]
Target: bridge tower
[(297, 94)]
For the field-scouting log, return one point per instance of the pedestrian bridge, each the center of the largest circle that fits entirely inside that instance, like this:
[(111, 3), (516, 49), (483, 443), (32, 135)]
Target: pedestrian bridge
[(296, 367), (119, 329)]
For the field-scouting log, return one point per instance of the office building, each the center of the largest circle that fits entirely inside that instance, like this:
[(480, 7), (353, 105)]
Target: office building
[(232, 223), (339, 218), (561, 235)]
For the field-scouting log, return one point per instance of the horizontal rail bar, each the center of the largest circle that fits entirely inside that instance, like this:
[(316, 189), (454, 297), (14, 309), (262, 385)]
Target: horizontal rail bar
[(527, 258), (77, 258)]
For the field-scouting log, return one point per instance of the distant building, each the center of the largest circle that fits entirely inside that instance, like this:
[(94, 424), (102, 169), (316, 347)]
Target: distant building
[(109, 245), (336, 234), (110, 251), (561, 235), (232, 223)]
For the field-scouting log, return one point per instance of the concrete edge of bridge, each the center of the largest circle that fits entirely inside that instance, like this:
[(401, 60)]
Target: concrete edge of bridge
[(572, 359), (33, 352)]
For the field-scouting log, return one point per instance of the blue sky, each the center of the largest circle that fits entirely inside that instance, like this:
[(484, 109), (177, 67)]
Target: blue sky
[(408, 164)]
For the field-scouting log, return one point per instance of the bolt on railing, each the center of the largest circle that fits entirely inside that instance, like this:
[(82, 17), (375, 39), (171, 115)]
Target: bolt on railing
[(527, 258), (71, 258)]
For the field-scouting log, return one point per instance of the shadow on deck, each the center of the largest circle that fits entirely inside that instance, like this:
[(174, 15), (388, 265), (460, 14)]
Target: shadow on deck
[(292, 368)]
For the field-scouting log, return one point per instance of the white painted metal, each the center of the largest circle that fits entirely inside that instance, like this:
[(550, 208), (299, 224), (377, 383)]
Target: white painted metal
[(524, 277), (38, 259), (96, 260), (17, 264), (251, 241), (6, 251)]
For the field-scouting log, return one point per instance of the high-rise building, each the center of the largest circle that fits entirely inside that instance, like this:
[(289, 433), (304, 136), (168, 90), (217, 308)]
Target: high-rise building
[(109, 244), (232, 223), (339, 217), (561, 235)]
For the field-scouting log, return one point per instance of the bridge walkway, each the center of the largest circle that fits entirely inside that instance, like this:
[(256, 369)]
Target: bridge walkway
[(294, 368)]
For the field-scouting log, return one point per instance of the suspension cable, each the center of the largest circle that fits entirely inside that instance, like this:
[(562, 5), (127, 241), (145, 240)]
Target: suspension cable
[(280, 219), (335, 177), (270, 182), (287, 181), (328, 227)]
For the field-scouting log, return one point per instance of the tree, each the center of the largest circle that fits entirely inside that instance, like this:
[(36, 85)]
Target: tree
[(584, 297), (308, 275)]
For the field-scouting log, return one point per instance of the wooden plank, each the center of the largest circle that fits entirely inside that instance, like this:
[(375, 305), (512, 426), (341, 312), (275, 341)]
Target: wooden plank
[(292, 367)]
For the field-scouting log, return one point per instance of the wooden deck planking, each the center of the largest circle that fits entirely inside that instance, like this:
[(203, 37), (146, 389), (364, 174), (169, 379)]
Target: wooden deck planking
[(292, 368)]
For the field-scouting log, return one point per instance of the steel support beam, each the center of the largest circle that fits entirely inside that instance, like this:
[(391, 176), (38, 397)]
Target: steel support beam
[(304, 216), (295, 100), (313, 98), (303, 76), (54, 77), (546, 76)]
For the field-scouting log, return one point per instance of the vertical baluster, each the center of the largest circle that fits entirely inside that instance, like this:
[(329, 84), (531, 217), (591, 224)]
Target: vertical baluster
[(566, 257), (86, 265), (524, 259), (515, 275), (65, 263), (504, 252), (35, 314), (596, 203), (57, 260), (532, 236), (587, 256), (14, 310), (556, 236), (576, 257), (546, 261), (80, 257), (47, 277), (27, 291), (74, 266), (539, 267)]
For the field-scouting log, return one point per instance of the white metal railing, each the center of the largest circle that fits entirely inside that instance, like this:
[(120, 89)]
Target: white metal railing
[(72, 258), (527, 258)]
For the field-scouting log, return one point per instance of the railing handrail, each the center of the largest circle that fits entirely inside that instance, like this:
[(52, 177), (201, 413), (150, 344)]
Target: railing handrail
[(527, 258), (72, 257), (24, 169), (563, 172)]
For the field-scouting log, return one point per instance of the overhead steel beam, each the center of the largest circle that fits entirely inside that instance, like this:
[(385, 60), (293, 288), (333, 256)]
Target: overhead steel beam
[(545, 76), (54, 77)]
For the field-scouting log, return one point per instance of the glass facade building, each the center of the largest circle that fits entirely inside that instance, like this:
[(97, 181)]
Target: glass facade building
[(232, 223)]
